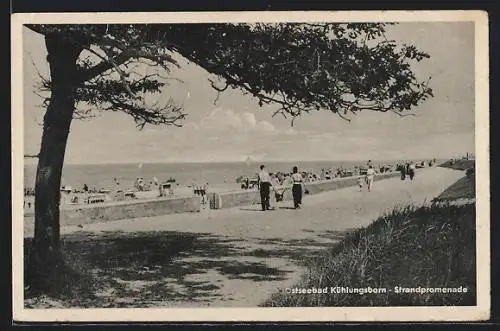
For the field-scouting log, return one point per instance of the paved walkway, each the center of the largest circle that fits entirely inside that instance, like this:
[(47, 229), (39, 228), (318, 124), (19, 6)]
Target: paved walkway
[(240, 256)]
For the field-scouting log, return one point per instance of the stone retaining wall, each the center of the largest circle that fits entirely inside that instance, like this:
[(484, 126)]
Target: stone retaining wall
[(126, 210), (249, 197)]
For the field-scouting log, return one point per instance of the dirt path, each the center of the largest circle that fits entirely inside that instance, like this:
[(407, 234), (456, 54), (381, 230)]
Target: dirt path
[(237, 256)]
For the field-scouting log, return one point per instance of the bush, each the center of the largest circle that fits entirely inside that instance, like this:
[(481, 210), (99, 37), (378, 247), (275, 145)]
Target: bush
[(431, 246)]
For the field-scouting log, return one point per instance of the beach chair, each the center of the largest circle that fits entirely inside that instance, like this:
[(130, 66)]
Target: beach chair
[(98, 198), (129, 194), (119, 196), (165, 189)]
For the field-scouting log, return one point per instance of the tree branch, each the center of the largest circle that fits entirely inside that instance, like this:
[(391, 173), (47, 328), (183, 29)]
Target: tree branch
[(402, 115), (36, 28), (342, 116), (120, 59), (219, 90), (122, 75), (102, 67)]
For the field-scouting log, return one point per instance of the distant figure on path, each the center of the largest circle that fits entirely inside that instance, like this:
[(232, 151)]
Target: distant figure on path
[(360, 183), (402, 169), (298, 181), (203, 193), (406, 168), (411, 170), (370, 174), (117, 184), (85, 188), (264, 186)]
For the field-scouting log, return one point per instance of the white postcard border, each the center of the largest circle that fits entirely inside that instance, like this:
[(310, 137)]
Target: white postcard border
[(338, 314)]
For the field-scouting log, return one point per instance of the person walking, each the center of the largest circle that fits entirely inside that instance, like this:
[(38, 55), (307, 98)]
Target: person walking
[(370, 174), (402, 170), (411, 170), (298, 181), (360, 183), (265, 184)]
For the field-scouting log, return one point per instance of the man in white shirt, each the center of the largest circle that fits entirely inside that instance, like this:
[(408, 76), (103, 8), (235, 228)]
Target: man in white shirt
[(298, 182), (265, 184)]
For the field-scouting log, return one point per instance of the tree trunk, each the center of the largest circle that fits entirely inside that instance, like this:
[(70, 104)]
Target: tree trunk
[(45, 260)]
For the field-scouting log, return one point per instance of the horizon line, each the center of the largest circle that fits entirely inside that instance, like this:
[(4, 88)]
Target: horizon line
[(244, 161)]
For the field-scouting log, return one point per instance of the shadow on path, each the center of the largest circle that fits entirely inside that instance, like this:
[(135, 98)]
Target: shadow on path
[(252, 209), (145, 269)]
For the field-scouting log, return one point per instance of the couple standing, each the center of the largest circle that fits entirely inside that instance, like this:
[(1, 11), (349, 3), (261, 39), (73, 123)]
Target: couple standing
[(265, 183)]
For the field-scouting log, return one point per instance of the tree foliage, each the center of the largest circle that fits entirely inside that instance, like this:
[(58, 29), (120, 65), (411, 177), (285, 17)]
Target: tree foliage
[(307, 67), (107, 71), (342, 68)]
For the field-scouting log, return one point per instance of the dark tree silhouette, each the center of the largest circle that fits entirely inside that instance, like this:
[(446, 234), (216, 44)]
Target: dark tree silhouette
[(341, 68)]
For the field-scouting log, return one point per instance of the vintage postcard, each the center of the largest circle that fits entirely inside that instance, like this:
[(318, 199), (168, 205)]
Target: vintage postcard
[(251, 166)]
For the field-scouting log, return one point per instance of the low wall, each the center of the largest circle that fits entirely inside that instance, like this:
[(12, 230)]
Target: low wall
[(249, 197), (125, 210)]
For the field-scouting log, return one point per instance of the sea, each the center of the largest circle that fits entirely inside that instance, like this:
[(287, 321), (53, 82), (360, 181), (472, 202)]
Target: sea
[(217, 175)]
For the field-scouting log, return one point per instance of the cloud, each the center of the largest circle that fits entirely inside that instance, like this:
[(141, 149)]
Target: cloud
[(191, 126), (222, 119), (290, 132), (265, 128), (227, 121), (249, 119)]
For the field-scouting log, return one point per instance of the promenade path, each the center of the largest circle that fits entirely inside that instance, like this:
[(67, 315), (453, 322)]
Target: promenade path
[(237, 256)]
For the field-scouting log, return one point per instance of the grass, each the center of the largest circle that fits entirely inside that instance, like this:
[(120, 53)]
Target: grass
[(464, 188), (429, 246), (459, 164)]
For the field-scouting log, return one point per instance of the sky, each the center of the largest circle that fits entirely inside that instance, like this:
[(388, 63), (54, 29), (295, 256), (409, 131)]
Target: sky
[(236, 127)]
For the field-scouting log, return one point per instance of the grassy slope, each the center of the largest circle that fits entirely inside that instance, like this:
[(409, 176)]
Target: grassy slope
[(430, 246), (459, 164), (464, 188)]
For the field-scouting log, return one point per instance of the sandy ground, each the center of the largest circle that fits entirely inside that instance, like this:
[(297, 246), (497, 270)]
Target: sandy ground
[(249, 254)]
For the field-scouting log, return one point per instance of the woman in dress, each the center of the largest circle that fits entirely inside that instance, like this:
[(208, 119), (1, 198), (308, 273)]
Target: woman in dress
[(370, 174)]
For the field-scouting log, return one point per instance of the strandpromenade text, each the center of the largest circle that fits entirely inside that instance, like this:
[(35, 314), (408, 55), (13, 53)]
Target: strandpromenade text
[(375, 290)]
